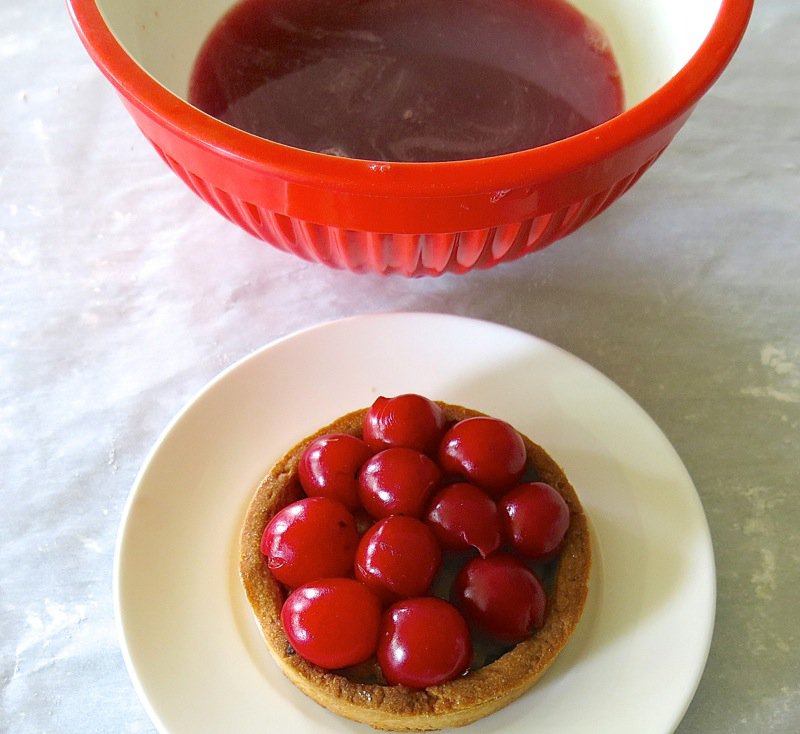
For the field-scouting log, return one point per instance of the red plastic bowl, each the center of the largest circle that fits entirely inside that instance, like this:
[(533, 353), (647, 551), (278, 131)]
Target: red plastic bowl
[(412, 218)]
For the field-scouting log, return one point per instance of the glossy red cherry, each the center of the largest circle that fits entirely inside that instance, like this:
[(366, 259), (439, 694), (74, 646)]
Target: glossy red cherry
[(463, 516), (329, 467), (309, 539), (500, 596), (423, 642), (332, 622), (486, 451), (409, 420), (534, 518), (398, 557), (397, 481)]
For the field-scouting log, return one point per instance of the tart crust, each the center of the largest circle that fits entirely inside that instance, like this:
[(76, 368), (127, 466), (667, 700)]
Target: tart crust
[(396, 708)]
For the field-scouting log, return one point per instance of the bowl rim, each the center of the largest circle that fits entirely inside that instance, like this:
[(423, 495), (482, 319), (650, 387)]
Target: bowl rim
[(676, 97)]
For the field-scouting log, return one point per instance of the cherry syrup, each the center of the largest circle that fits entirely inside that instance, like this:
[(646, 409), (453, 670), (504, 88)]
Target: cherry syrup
[(407, 80)]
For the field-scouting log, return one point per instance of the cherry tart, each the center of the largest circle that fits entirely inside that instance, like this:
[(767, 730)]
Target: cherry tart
[(415, 565)]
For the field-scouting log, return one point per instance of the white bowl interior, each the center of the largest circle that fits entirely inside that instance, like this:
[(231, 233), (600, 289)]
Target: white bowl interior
[(651, 39)]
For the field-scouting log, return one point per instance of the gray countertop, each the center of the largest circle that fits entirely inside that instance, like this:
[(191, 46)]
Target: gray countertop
[(121, 295)]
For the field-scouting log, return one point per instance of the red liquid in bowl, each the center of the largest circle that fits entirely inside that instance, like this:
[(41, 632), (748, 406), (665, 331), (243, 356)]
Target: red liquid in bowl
[(407, 80)]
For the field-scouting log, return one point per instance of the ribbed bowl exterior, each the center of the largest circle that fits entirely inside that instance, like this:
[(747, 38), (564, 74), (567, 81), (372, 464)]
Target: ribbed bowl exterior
[(411, 255)]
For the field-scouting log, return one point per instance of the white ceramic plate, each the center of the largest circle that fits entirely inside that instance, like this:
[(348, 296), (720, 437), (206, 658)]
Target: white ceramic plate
[(189, 641)]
